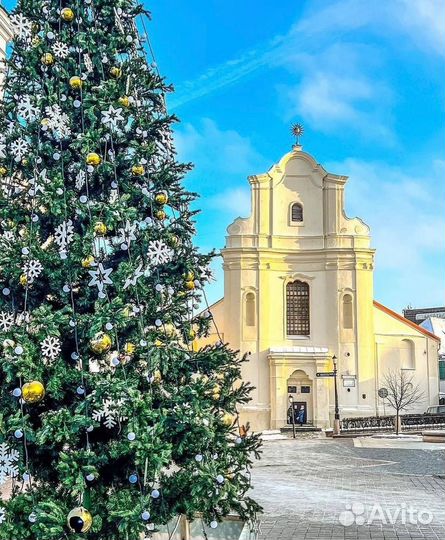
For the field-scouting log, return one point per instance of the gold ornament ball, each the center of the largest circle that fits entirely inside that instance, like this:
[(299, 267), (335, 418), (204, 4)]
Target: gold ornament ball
[(88, 261), (47, 59), (138, 170), (3, 171), (75, 82), (25, 162), (190, 285), (129, 348), (33, 392), (160, 214), (35, 28), (159, 343), (79, 520), (161, 198), (190, 276), (124, 101), (192, 334), (100, 228), (228, 419), (101, 343), (93, 159), (23, 280), (67, 14), (115, 72), (157, 376), (35, 42)]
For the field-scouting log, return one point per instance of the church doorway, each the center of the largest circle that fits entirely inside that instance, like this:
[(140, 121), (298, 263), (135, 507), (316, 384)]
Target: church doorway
[(299, 387)]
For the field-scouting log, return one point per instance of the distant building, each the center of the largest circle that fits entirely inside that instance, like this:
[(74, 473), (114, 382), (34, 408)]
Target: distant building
[(5, 37), (298, 289), (436, 325), (419, 315)]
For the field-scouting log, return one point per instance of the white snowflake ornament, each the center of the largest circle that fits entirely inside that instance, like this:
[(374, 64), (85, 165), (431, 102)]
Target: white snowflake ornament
[(110, 412), (26, 109), (19, 148), (57, 121), (158, 252), (60, 49), (64, 235), (80, 179), (32, 269), (50, 347), (6, 321), (2, 514), (8, 459), (21, 25)]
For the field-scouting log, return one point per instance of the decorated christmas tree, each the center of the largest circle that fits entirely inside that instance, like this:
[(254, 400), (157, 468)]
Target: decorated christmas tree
[(113, 421)]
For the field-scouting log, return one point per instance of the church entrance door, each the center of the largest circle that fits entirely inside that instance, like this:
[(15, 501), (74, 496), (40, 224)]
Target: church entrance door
[(299, 386), (300, 413)]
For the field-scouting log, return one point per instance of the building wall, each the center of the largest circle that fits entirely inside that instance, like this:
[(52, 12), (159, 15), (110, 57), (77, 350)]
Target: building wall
[(328, 251), (436, 325), (399, 346)]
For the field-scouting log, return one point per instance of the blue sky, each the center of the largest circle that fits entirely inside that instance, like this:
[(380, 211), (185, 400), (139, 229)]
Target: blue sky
[(367, 81)]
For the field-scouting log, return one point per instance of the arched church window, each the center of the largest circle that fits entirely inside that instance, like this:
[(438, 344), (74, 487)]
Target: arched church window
[(347, 312), (297, 309), (250, 309), (296, 212)]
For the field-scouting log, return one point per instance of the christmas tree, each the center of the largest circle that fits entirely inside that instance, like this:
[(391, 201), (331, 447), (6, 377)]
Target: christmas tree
[(112, 420)]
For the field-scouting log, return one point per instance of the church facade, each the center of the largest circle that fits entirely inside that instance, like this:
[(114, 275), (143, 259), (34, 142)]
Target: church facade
[(298, 290)]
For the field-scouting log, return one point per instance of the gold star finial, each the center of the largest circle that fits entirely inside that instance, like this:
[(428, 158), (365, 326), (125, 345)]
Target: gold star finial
[(297, 131)]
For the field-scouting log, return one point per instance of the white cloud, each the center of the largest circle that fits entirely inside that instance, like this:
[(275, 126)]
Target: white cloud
[(404, 209), (338, 79), (423, 22), (225, 74), (235, 201), (333, 88), (214, 150)]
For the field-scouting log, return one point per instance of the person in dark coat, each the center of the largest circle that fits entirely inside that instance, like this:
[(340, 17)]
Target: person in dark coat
[(300, 415)]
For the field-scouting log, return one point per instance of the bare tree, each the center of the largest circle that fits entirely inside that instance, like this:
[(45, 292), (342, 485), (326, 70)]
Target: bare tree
[(402, 392)]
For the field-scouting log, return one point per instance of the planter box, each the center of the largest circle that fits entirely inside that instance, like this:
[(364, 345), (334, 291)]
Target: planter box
[(232, 528)]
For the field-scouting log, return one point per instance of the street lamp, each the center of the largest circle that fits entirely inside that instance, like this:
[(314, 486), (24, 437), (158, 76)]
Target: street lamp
[(292, 413), (336, 413)]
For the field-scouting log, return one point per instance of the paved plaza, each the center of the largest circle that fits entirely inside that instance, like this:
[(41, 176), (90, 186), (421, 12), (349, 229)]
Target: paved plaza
[(322, 488)]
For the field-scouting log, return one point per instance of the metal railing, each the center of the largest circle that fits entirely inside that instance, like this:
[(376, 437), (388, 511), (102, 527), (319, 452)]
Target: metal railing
[(415, 422)]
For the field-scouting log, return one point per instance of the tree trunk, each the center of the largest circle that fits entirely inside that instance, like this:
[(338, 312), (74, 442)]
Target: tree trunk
[(398, 423)]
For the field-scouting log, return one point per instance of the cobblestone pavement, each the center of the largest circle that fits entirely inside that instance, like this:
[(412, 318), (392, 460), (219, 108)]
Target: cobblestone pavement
[(322, 488)]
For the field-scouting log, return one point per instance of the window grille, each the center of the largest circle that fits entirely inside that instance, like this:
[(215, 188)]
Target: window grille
[(297, 212), (297, 309)]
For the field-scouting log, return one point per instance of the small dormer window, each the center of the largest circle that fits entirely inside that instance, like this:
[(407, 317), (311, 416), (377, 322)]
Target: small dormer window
[(296, 214)]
